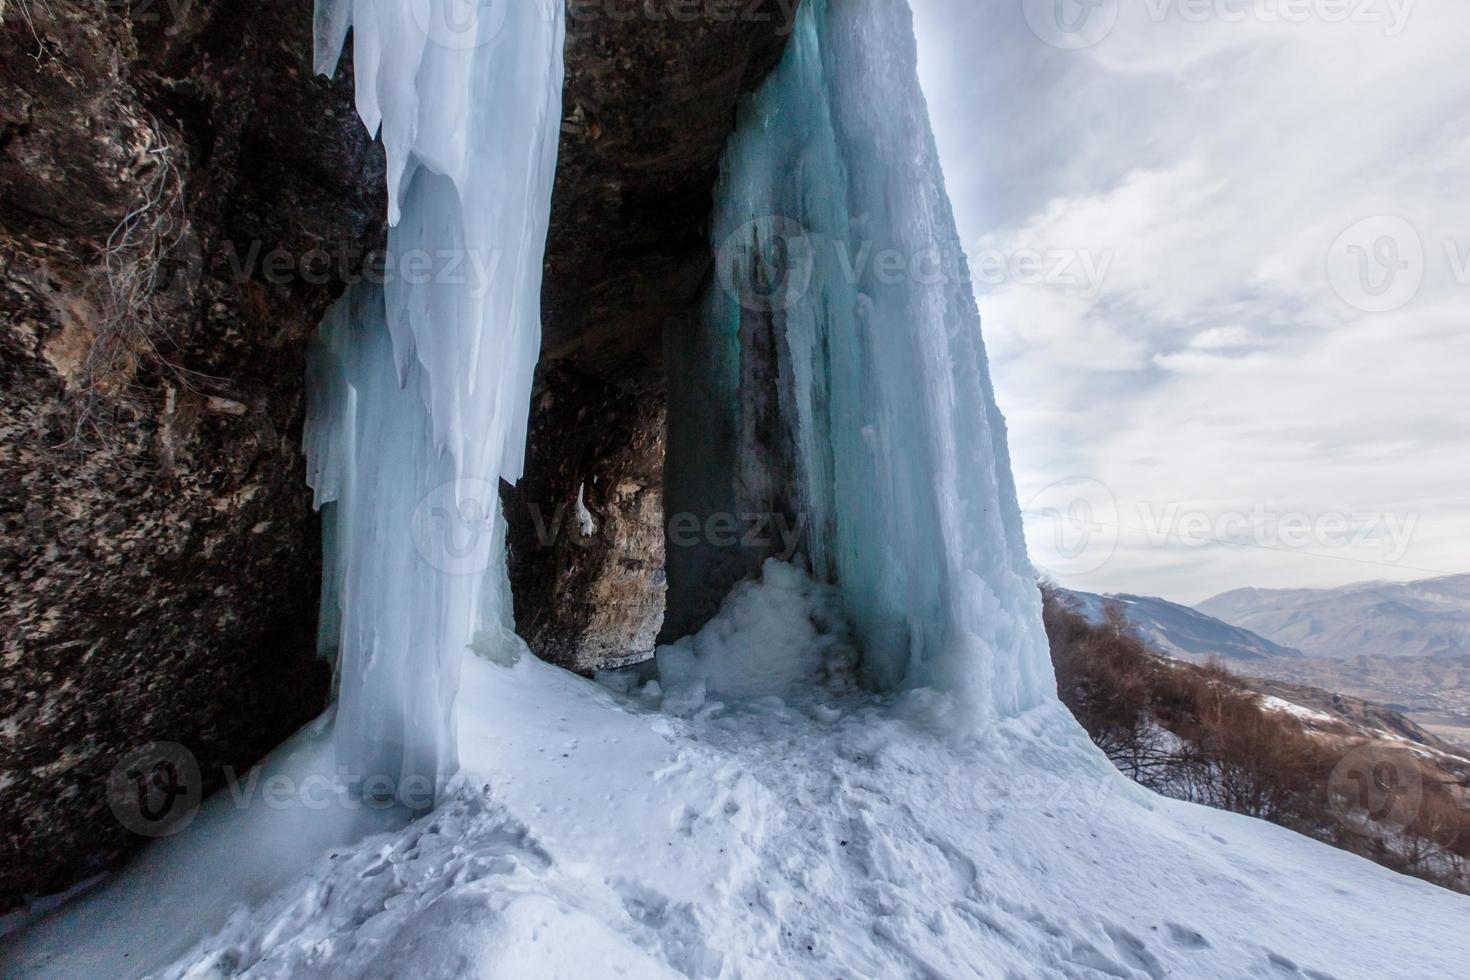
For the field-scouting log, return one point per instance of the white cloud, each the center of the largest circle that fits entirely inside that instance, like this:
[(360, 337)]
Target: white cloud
[(1219, 367)]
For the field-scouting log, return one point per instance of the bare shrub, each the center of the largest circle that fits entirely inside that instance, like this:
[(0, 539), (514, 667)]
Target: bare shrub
[(1198, 733), (130, 331)]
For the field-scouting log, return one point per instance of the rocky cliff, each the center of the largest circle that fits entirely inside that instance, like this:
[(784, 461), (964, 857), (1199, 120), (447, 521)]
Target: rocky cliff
[(179, 202)]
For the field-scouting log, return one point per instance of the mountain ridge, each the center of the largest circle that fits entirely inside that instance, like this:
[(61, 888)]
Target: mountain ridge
[(1183, 631), (1425, 618)]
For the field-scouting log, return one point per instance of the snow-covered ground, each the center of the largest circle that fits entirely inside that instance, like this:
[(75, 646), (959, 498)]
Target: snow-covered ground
[(818, 833)]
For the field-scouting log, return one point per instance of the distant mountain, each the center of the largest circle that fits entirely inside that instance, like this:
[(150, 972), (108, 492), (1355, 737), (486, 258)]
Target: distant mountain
[(1181, 631), (1429, 618)]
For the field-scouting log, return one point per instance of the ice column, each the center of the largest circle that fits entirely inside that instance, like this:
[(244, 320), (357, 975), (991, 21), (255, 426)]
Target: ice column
[(840, 267), (419, 387)]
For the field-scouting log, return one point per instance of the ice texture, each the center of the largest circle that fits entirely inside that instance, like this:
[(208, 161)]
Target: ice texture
[(899, 465), (419, 386)]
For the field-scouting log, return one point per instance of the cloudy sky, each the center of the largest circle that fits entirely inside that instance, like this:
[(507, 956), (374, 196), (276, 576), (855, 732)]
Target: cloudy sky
[(1223, 255)]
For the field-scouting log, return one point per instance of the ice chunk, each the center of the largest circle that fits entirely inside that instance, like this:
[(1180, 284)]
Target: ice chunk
[(585, 522)]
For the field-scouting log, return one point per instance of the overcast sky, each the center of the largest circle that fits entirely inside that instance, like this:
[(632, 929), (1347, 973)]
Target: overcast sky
[(1223, 258)]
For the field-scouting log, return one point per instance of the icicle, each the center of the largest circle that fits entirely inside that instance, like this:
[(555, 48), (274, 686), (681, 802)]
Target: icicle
[(419, 389), (901, 468)]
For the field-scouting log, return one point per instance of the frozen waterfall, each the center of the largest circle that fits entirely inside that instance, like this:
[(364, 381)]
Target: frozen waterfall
[(838, 377), (419, 386), (854, 400)]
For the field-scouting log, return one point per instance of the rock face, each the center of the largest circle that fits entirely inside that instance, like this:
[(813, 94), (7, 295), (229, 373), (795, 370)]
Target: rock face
[(650, 101), (181, 201), (587, 547), (158, 557)]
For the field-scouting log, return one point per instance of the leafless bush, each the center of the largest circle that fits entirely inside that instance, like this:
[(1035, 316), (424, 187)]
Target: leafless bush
[(130, 329), (26, 8), (1198, 733)]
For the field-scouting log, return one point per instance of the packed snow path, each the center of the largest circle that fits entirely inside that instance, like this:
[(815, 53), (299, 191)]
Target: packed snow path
[(821, 835)]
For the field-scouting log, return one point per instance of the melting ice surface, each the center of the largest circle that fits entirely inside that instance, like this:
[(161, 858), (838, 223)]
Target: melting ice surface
[(419, 389)]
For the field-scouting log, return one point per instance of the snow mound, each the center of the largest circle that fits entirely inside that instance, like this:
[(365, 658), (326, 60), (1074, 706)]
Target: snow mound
[(772, 638)]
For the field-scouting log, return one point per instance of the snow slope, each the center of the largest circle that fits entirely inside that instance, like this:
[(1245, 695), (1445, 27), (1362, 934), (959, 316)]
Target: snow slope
[(1429, 618), (181, 887), (823, 833)]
